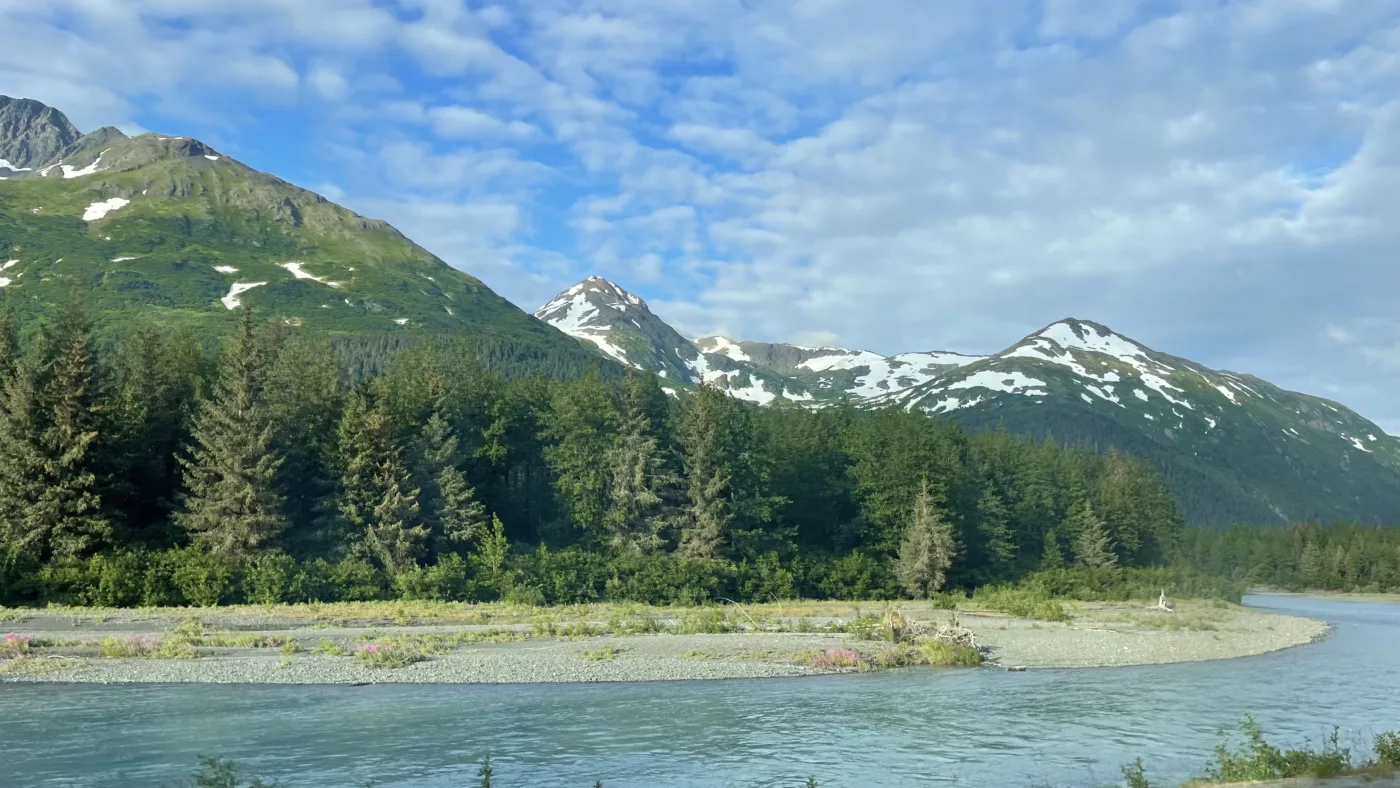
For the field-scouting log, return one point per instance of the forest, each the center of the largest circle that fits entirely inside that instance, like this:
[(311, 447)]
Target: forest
[(1341, 557), (285, 466)]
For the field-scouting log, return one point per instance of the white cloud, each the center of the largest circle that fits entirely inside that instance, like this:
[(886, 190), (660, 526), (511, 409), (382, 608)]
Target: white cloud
[(1213, 178)]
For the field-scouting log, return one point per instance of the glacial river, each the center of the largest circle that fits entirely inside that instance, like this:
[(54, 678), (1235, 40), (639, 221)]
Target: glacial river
[(916, 727)]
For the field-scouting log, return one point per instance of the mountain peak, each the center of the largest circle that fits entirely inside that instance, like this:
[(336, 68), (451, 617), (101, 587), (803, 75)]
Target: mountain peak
[(32, 133)]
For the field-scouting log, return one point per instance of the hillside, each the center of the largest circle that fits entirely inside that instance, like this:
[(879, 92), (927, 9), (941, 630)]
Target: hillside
[(167, 229)]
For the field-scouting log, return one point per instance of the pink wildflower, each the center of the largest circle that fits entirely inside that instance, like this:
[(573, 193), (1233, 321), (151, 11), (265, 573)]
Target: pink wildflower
[(372, 648)]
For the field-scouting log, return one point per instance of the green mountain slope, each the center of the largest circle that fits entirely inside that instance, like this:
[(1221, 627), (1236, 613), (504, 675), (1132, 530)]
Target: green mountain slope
[(166, 229), (1233, 447)]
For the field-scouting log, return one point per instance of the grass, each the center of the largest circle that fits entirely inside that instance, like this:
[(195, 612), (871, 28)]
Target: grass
[(147, 647), (605, 653), (1020, 602), (833, 659), (329, 648), (34, 665), (388, 655)]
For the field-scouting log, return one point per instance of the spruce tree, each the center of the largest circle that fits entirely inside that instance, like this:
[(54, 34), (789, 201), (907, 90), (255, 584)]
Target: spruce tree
[(580, 424), (643, 484), (378, 504), (1093, 545), (231, 503), (69, 507), (928, 548), (709, 515), (1310, 565), (49, 505), (998, 539), (453, 515), (1052, 557)]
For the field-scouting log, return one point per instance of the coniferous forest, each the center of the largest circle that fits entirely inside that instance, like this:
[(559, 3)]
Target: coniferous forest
[(282, 466)]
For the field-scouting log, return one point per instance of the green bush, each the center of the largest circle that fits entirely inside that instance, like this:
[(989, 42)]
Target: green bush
[(1257, 759), (445, 581), (118, 580), (270, 579), (765, 579), (204, 579), (855, 576), (314, 581), (1388, 749), (1024, 602), (356, 580)]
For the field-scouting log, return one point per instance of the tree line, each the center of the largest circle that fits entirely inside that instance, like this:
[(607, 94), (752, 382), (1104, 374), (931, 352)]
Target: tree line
[(1342, 557), (282, 468)]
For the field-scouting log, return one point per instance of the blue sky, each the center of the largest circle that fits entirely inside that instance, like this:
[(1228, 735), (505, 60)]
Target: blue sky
[(1217, 179)]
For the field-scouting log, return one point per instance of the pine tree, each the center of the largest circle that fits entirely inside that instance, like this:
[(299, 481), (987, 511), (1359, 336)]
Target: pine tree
[(231, 503), (709, 516), (927, 551), (643, 484), (49, 505), (998, 540), (1093, 546), (581, 422), (69, 508), (453, 515), (305, 399), (1052, 557), (378, 504)]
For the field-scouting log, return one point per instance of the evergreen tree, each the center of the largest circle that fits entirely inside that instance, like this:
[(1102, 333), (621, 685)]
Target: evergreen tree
[(580, 424), (378, 503), (927, 551), (231, 503), (709, 517), (998, 540), (305, 398), (643, 485), (453, 515), (49, 505), (1093, 546), (69, 508), (1052, 557)]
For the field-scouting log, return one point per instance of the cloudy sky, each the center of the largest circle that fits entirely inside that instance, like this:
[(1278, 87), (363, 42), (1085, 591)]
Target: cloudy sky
[(1217, 179)]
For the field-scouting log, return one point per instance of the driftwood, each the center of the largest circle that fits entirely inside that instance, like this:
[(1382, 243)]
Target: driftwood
[(956, 636), (1162, 603)]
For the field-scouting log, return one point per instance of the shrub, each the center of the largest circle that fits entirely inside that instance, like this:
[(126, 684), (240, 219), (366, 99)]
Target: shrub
[(314, 581), (941, 653), (834, 659), (202, 578), (1025, 602), (270, 579), (356, 580), (766, 579), (1256, 759), (388, 655), (856, 576), (15, 646), (118, 580), (1388, 749), (602, 654), (329, 648), (445, 581), (709, 621)]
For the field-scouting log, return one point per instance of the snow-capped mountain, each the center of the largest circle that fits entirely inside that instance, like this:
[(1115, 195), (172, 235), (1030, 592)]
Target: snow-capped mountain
[(1233, 447), (1259, 452), (623, 328), (855, 374)]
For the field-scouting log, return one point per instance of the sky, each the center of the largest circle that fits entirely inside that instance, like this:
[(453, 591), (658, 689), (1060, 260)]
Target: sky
[(1218, 179)]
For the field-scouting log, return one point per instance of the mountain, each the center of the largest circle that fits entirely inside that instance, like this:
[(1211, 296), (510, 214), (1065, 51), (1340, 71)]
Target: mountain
[(1233, 447), (166, 228), (623, 327)]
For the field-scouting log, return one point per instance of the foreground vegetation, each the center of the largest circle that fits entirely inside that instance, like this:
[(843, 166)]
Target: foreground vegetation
[(155, 473)]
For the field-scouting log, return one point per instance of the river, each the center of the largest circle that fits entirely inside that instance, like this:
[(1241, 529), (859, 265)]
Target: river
[(915, 727)]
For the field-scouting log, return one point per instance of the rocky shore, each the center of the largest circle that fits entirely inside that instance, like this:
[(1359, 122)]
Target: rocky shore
[(449, 644)]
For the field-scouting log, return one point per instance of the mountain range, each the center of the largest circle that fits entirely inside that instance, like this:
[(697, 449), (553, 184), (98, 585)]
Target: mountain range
[(1233, 447), (167, 230)]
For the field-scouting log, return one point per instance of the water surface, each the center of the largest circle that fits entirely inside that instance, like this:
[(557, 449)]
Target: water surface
[(916, 727)]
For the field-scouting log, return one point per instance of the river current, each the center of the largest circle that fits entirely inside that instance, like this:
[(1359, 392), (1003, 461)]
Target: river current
[(915, 727)]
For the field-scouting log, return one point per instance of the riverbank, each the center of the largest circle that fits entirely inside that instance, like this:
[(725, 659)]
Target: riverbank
[(455, 643)]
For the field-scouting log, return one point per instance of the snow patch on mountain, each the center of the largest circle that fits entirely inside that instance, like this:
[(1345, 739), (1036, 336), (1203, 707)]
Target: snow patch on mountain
[(122, 259), (723, 346), (299, 272), (98, 210), (8, 264), (5, 165), (225, 269), (231, 301), (70, 171)]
